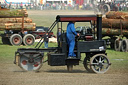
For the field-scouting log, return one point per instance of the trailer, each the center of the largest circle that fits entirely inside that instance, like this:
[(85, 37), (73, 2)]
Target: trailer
[(18, 28), (96, 60), (115, 30), (15, 35)]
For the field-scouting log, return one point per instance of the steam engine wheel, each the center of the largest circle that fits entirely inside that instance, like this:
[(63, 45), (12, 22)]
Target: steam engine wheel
[(30, 64)]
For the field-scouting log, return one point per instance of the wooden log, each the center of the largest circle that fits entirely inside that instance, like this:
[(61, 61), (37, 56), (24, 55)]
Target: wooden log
[(112, 31), (114, 23), (15, 20), (111, 23), (17, 26), (116, 15), (126, 16)]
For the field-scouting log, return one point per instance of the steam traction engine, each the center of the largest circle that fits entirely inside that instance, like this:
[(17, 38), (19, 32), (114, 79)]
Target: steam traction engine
[(89, 42)]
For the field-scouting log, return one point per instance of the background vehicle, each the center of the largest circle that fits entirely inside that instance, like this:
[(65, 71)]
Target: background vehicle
[(18, 28), (40, 32), (105, 6)]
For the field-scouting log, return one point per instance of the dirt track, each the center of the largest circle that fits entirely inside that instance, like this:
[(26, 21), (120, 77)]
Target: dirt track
[(11, 74)]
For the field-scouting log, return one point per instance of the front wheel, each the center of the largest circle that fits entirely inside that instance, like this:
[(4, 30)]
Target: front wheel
[(100, 63), (30, 64)]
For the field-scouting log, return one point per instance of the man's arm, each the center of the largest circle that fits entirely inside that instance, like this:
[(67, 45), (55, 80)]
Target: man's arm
[(73, 29)]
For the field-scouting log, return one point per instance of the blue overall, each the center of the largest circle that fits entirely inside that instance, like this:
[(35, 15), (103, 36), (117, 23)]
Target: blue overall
[(71, 32)]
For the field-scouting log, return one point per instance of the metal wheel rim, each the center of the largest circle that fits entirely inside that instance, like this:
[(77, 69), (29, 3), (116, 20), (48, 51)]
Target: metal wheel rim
[(100, 63), (16, 40), (29, 40), (30, 66)]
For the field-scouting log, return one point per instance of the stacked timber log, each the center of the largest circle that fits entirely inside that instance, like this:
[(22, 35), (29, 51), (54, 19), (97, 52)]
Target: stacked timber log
[(16, 20), (115, 23), (116, 15)]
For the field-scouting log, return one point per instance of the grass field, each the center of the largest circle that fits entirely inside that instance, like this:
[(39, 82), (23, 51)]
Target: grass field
[(119, 60)]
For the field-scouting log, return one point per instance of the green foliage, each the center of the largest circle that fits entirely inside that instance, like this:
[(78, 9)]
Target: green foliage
[(12, 12)]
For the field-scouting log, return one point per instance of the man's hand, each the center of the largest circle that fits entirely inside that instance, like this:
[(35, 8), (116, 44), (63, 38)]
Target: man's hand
[(78, 34)]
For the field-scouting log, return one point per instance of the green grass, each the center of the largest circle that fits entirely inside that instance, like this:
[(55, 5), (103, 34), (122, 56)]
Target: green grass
[(118, 59), (7, 52)]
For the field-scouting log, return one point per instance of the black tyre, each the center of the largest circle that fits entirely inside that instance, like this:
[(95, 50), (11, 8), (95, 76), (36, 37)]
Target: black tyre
[(124, 46), (117, 45), (16, 39), (28, 39)]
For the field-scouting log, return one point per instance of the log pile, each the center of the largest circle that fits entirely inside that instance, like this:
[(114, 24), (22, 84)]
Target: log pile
[(115, 23), (17, 26), (116, 15), (16, 20)]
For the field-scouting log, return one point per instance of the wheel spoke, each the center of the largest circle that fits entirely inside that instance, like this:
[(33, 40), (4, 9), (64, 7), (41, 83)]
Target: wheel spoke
[(95, 63), (96, 60), (103, 60), (99, 59), (104, 63)]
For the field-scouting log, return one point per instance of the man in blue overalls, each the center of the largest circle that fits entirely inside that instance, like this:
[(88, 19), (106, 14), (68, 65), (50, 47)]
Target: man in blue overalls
[(71, 32)]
